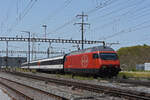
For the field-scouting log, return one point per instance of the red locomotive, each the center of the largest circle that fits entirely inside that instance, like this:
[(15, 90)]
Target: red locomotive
[(98, 61)]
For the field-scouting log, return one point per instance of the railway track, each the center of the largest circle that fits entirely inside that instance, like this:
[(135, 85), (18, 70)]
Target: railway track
[(26, 97), (91, 87), (28, 92), (134, 82)]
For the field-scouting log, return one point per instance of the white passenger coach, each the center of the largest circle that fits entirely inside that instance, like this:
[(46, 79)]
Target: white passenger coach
[(48, 64)]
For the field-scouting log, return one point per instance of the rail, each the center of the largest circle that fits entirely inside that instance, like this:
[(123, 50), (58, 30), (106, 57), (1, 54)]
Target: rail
[(91, 87), (17, 91), (28, 96)]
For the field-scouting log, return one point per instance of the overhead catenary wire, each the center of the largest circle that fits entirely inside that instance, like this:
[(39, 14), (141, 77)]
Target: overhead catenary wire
[(118, 17), (59, 10), (23, 14), (26, 12), (19, 17), (103, 4), (136, 41), (54, 13), (4, 22), (143, 14), (25, 9), (131, 29), (106, 3), (133, 6)]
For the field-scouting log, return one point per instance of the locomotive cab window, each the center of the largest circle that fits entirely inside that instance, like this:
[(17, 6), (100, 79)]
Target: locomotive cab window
[(108, 56), (95, 56)]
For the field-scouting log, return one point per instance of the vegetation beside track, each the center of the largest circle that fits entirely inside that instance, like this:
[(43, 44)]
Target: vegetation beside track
[(75, 77), (69, 76), (135, 74)]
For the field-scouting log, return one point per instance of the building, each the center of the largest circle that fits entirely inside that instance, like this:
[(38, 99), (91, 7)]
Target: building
[(147, 66), (12, 61), (144, 67), (140, 67)]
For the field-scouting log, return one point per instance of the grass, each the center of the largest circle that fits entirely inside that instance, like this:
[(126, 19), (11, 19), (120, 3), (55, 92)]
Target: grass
[(57, 75), (21, 70), (135, 74), (83, 78), (75, 77), (33, 71)]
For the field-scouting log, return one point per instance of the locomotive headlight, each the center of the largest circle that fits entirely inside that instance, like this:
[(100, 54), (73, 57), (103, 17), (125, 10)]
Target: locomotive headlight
[(116, 66), (103, 67)]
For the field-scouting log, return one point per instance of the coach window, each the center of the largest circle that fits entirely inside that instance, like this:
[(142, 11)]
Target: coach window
[(95, 56)]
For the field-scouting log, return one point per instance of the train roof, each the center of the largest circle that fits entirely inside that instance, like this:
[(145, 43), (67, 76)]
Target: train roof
[(92, 49), (46, 59)]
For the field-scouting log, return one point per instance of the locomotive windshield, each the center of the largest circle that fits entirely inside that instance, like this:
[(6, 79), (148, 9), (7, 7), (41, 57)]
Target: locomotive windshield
[(108, 56)]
